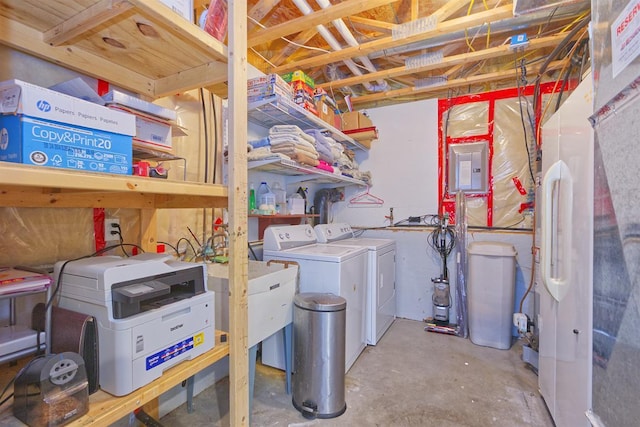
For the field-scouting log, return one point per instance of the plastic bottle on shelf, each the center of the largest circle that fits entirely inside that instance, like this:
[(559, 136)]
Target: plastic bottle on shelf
[(266, 199), (252, 198), (281, 198)]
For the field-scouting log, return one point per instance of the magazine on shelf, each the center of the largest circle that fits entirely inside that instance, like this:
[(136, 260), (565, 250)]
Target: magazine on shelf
[(15, 280)]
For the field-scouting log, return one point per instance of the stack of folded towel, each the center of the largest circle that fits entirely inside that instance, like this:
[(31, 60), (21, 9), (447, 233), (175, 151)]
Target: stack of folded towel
[(293, 142)]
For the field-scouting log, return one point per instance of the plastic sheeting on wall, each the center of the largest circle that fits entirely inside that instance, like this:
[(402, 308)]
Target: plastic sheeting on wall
[(510, 162)]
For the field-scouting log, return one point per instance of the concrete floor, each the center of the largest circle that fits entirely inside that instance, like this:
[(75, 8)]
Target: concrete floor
[(411, 378)]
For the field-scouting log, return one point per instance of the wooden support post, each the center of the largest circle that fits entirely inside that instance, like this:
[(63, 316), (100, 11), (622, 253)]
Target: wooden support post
[(238, 264), (148, 230)]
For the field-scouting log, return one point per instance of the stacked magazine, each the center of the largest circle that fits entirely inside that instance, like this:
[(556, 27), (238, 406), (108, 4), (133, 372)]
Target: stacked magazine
[(16, 280)]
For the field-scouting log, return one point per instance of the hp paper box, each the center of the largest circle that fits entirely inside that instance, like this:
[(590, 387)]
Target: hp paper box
[(46, 128)]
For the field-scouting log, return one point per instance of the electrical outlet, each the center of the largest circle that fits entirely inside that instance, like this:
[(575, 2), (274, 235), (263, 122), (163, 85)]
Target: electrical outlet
[(521, 322), (109, 227)]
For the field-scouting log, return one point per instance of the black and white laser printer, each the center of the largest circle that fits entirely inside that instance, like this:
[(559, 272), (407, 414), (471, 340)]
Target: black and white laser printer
[(152, 312)]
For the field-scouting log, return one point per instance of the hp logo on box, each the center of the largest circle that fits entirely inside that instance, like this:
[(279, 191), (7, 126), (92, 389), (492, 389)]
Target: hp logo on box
[(43, 105)]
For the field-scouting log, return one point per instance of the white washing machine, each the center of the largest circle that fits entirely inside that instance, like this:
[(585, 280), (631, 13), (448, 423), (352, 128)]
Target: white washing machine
[(381, 275), (340, 270)]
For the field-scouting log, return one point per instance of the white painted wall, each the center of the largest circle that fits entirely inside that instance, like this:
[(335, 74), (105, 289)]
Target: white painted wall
[(404, 164)]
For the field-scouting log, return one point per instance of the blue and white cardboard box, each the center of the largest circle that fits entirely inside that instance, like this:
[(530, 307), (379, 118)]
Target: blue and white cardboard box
[(42, 127)]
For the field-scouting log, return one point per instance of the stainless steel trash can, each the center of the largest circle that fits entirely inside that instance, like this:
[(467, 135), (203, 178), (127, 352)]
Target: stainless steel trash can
[(319, 321)]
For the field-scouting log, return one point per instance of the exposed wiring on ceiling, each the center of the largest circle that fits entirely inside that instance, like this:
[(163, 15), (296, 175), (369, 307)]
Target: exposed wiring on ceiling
[(555, 53), (466, 35), (581, 48), (579, 18), (542, 28), (571, 52), (287, 40), (523, 80), (355, 30), (262, 57), (488, 24)]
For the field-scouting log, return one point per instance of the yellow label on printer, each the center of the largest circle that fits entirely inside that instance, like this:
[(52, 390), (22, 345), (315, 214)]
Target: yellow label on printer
[(198, 339)]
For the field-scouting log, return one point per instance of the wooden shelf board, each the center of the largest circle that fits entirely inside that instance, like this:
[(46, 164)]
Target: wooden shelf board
[(105, 409), (278, 110), (35, 186), (170, 56)]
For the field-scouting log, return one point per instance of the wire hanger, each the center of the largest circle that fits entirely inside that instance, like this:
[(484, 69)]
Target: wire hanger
[(366, 198)]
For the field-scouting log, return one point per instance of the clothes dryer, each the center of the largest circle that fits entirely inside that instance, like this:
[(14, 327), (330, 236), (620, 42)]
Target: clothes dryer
[(380, 310), (340, 270)]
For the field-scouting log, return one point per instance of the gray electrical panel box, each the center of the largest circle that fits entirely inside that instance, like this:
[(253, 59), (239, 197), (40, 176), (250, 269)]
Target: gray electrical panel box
[(468, 167)]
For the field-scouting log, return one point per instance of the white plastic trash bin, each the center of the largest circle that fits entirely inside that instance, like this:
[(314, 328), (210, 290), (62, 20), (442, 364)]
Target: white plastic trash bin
[(490, 293)]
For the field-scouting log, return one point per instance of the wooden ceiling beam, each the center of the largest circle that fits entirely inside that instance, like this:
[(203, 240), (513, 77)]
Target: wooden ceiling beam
[(463, 58), (450, 7), (465, 81), (262, 9), (290, 48), (415, 7), (323, 16), (371, 24), (445, 27)]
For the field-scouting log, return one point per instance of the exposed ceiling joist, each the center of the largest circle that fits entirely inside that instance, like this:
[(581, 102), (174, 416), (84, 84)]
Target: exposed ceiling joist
[(464, 81), (323, 16), (300, 40), (388, 42), (371, 24), (463, 58)]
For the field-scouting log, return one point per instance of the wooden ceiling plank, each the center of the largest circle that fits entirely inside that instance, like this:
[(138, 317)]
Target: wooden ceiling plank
[(26, 39), (445, 27), (463, 58), (475, 79), (84, 21), (449, 8), (451, 71), (290, 48), (415, 8), (323, 16), (262, 9)]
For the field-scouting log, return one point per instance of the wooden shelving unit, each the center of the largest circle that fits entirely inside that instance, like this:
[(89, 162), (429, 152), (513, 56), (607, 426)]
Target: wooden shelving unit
[(105, 409), (35, 186), (278, 110), (139, 45), (302, 172), (144, 47)]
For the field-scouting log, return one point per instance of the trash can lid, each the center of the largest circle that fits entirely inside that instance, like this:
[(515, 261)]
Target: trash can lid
[(492, 249), (320, 301)]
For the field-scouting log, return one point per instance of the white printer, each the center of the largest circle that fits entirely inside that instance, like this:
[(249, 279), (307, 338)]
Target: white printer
[(152, 312)]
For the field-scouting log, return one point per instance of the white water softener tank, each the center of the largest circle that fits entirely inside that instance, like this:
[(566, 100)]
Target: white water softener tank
[(490, 293)]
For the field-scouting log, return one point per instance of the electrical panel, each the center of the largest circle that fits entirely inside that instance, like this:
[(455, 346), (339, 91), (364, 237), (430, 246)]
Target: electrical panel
[(468, 167)]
